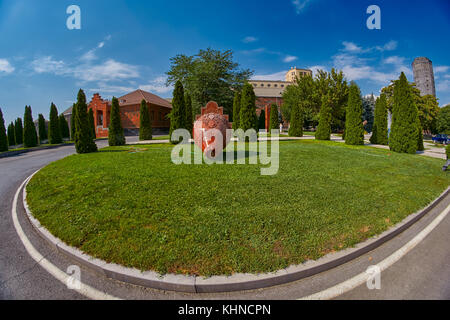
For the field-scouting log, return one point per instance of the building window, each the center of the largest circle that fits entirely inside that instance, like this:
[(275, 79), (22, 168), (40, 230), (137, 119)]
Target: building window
[(275, 85), (262, 84), (282, 85), (268, 85)]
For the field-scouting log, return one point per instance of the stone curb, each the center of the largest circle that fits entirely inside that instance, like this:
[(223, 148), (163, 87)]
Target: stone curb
[(236, 282)]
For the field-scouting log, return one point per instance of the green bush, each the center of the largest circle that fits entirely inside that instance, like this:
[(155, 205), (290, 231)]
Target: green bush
[(262, 120), (178, 113), (3, 136), (247, 110), (72, 123), (236, 110), (18, 127), (404, 130), (30, 138), (83, 137), (354, 128), (274, 123), (145, 126), (54, 133), (42, 128), (64, 127), (296, 127), (380, 130), (447, 151), (92, 123), (443, 120), (116, 136), (189, 122), (323, 131), (11, 135)]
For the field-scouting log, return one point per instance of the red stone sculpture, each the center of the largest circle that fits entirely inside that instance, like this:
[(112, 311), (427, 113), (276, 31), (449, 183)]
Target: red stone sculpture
[(212, 117)]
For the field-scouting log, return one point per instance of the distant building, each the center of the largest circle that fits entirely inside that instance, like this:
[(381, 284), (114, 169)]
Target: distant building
[(129, 106), (271, 91), (424, 76)]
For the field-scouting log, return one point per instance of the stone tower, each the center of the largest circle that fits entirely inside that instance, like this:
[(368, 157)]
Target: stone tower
[(423, 75)]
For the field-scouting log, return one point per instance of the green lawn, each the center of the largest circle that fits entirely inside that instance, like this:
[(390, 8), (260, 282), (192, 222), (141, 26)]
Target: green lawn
[(132, 206)]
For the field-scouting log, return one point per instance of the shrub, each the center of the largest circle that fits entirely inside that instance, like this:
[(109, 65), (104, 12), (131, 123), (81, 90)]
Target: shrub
[(237, 110), (354, 128), (145, 126), (404, 130), (247, 110), (116, 137), (262, 120), (83, 138), (54, 133), (72, 123), (189, 122), (443, 120), (274, 123), (11, 135), (18, 127), (91, 123), (3, 136), (30, 138), (380, 130), (42, 128), (64, 127), (323, 131), (178, 113), (296, 127)]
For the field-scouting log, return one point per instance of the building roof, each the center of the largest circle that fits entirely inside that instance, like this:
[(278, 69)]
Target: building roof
[(136, 97), (68, 111)]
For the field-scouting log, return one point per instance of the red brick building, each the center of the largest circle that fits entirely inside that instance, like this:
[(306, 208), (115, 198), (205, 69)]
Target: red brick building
[(130, 105)]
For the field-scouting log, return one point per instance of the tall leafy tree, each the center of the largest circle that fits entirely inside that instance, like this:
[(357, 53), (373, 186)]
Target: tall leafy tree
[(236, 109), (247, 111), (428, 109), (30, 138), (178, 113), (92, 123), (404, 129), (64, 127), (42, 128), (323, 131), (379, 129), (3, 136), (11, 134), (116, 136), (296, 127), (18, 127), (189, 121), (54, 133), (274, 121), (72, 123), (83, 137), (210, 75), (443, 120), (145, 125), (368, 112), (354, 129)]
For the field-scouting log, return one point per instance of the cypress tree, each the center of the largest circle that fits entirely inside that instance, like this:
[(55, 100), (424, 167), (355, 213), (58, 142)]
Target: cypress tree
[(178, 114), (323, 131), (18, 127), (296, 127), (29, 129), (54, 133), (189, 121), (64, 127), (145, 126), (262, 120), (237, 110), (3, 137), (42, 128), (247, 110), (116, 137), (83, 138), (274, 123), (380, 130), (91, 123), (354, 128), (404, 130), (420, 146), (11, 134), (72, 123)]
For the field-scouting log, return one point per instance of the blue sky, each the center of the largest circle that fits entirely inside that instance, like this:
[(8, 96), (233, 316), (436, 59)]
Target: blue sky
[(125, 45)]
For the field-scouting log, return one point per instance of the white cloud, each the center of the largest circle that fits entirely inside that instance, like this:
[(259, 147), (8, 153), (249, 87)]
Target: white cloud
[(289, 58), (300, 5), (391, 45), (394, 60), (157, 85), (351, 47), (106, 88), (49, 65), (6, 67), (249, 39), (253, 51), (273, 76), (443, 86), (438, 69), (314, 69)]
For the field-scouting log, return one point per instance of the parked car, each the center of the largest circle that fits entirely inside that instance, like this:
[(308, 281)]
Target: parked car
[(441, 138)]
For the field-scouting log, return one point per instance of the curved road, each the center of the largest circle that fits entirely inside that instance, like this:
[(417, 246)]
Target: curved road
[(423, 273)]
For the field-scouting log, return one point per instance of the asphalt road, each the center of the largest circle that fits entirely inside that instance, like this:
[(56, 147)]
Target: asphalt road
[(424, 273)]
